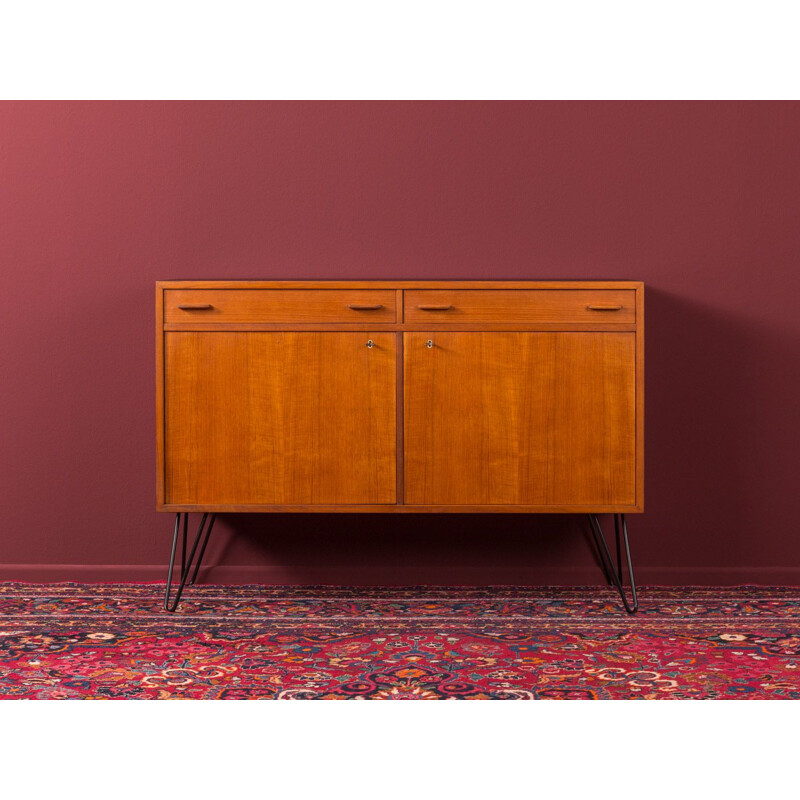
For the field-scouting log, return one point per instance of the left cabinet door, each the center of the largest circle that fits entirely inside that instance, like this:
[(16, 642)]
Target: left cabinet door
[(279, 418)]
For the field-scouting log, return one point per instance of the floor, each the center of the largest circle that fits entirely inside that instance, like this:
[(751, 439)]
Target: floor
[(258, 642)]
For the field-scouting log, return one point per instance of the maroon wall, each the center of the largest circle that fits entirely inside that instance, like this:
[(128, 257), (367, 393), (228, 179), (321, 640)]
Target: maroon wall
[(699, 200)]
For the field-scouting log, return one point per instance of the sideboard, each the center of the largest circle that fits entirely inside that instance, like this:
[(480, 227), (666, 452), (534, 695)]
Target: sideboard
[(400, 397)]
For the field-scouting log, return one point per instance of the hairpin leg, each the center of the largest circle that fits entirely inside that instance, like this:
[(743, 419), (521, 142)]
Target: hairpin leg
[(614, 575), (186, 566), (211, 521)]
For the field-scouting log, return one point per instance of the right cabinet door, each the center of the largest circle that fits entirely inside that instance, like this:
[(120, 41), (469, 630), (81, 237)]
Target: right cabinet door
[(502, 418)]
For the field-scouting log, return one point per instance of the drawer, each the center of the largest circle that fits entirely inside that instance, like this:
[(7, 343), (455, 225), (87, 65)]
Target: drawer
[(520, 305), (279, 305)]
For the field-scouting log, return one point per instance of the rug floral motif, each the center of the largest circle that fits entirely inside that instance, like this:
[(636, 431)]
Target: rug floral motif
[(63, 641)]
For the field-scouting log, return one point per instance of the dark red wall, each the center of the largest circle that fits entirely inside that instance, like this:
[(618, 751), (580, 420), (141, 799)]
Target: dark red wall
[(699, 200)]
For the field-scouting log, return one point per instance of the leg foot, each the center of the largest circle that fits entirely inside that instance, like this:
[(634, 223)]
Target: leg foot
[(614, 574), (190, 566)]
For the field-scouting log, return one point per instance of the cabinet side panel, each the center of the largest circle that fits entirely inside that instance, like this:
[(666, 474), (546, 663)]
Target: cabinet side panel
[(280, 418), (160, 493), (640, 398)]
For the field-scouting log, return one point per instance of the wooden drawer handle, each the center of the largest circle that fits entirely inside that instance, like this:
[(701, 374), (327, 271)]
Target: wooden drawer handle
[(195, 306), (357, 307), (434, 308), (604, 308)]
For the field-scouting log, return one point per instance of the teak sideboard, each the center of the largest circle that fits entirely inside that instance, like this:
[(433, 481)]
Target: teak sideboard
[(398, 397)]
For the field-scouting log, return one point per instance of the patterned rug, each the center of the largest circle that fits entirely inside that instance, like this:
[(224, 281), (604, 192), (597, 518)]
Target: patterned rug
[(421, 643)]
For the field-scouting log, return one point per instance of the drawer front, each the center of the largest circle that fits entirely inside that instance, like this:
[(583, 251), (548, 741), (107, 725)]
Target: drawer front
[(520, 305), (279, 305)]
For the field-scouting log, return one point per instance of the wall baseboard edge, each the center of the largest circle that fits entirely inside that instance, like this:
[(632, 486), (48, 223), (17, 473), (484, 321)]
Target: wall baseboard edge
[(383, 575)]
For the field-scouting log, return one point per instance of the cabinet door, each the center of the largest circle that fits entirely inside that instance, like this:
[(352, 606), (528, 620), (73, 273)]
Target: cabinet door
[(280, 418), (519, 418)]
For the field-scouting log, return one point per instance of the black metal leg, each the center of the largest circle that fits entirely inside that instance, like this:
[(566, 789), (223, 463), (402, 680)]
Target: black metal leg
[(599, 543), (614, 575), (186, 565), (183, 546), (199, 561)]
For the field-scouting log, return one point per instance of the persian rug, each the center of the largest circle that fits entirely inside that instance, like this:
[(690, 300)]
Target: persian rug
[(421, 643)]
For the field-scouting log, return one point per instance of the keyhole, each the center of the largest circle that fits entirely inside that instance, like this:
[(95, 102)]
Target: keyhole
[(429, 343)]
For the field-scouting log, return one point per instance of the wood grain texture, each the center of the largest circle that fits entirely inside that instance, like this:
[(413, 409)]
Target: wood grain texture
[(519, 305), (520, 418), (640, 398), (225, 388), (280, 418), (399, 439), (279, 305), (160, 421), (599, 324), (391, 508), (399, 284)]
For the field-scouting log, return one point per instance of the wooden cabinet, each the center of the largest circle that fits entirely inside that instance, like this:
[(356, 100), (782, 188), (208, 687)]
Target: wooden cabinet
[(400, 396), (518, 418), (279, 417), (531, 306), (216, 306)]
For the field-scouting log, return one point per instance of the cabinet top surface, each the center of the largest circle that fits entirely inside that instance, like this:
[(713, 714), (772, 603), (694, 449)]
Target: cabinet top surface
[(399, 284)]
